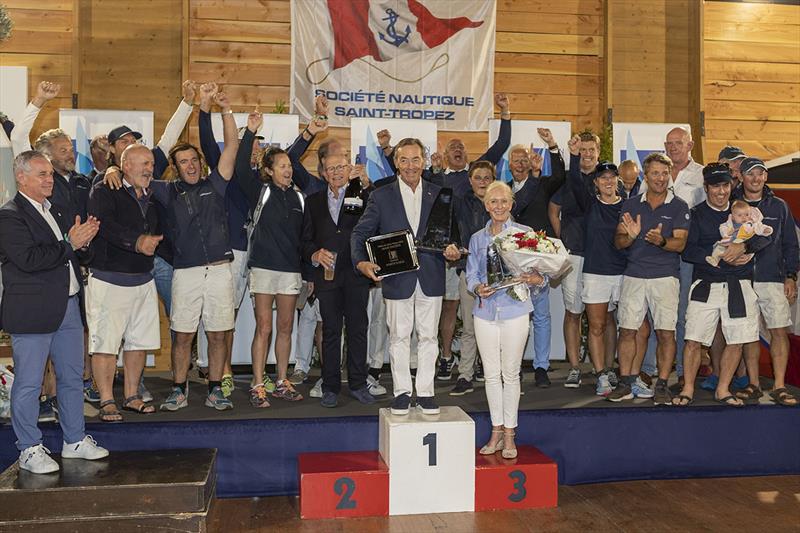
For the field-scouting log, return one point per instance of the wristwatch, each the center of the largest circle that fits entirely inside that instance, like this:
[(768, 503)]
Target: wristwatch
[(663, 244), (792, 276)]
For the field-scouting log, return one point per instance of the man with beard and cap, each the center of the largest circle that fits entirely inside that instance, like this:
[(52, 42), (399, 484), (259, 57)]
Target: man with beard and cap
[(718, 294), (774, 281), (733, 156)]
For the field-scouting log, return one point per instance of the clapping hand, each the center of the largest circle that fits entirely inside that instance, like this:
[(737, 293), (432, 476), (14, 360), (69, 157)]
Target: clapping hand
[(654, 236), (80, 235), (632, 227), (147, 244)]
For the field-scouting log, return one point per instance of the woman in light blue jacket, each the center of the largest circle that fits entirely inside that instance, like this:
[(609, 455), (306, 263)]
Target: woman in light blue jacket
[(501, 323)]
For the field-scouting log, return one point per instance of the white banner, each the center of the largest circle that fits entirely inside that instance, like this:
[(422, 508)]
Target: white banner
[(402, 59), (278, 130), (13, 99), (524, 132), (364, 146), (84, 124), (635, 140)]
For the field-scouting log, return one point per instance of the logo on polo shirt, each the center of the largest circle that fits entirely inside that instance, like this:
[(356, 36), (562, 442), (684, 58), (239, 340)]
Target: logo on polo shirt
[(770, 218), (687, 216), (665, 217)]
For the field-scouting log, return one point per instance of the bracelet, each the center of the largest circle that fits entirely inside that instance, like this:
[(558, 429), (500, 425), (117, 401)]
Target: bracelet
[(792, 276), (663, 244), (228, 112)]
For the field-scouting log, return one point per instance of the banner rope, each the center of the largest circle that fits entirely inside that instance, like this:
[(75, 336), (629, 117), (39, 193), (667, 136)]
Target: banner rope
[(434, 67)]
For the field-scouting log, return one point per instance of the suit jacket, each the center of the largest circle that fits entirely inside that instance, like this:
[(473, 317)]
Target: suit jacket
[(320, 231), (35, 277), (384, 214)]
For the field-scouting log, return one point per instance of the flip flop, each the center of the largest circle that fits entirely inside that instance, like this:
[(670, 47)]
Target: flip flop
[(750, 394), (680, 398), (783, 397), (730, 401)]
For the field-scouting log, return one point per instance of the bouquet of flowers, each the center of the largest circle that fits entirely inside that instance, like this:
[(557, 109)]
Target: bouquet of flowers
[(524, 251)]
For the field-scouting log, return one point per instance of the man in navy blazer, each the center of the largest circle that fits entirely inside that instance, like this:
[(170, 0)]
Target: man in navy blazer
[(41, 309), (413, 299)]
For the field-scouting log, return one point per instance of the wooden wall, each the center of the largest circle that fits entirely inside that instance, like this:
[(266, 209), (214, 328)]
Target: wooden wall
[(548, 58), (42, 40), (751, 86), (653, 64), (130, 56)]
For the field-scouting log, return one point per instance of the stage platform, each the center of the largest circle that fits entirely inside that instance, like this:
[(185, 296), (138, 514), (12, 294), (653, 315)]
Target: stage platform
[(592, 440)]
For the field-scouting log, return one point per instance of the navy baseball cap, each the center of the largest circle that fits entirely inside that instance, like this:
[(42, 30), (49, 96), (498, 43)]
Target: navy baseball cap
[(715, 173), (729, 153), (750, 163), (605, 166), (120, 131)]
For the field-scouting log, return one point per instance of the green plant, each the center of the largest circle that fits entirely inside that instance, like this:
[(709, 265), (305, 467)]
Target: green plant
[(6, 24), (280, 107)]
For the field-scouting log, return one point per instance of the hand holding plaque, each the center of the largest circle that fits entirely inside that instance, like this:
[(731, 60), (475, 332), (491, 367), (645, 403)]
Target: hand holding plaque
[(390, 254)]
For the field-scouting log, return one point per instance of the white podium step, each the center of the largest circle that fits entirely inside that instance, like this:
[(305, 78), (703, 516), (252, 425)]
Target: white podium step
[(431, 461)]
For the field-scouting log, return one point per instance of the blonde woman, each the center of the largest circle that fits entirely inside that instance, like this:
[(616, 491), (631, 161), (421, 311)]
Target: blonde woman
[(501, 323)]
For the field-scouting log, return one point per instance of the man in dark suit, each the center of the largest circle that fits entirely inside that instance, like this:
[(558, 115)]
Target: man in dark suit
[(413, 299), (41, 309), (343, 293)]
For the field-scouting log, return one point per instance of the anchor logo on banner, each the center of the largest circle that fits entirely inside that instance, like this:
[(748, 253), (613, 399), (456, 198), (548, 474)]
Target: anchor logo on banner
[(398, 39)]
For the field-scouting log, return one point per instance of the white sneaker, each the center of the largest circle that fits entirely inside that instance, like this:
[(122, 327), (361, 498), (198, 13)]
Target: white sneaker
[(84, 449), (316, 390), (36, 459), (375, 388)]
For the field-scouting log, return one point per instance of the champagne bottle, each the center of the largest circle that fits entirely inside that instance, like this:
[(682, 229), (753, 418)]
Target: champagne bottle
[(354, 195)]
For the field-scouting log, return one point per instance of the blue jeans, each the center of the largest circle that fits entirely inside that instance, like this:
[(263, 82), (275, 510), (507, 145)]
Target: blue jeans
[(538, 346), (649, 364), (65, 347), (162, 275)]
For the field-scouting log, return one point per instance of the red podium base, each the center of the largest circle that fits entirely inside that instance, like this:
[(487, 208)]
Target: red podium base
[(343, 484), (527, 482)]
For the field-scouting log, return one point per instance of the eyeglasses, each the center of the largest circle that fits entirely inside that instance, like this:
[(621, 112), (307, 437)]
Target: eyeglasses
[(337, 168), (478, 177)]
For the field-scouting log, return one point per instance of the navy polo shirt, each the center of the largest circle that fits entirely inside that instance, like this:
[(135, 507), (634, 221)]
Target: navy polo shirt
[(647, 260)]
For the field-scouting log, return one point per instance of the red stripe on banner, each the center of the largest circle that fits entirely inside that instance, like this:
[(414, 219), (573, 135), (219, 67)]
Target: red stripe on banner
[(351, 34), (433, 30)]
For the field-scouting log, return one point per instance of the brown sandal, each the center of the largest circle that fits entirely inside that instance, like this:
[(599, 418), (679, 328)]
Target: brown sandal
[(143, 408), (109, 416), (751, 393), (783, 397)]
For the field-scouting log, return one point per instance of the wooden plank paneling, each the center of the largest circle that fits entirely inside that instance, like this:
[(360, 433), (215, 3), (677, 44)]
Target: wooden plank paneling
[(230, 52), (242, 31), (261, 10), (49, 5), (570, 24), (546, 43), (572, 7), (42, 20), (242, 74), (751, 86), (569, 65)]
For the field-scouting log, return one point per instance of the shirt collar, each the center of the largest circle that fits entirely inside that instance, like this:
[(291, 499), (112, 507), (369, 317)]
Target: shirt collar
[(39, 206), (506, 224), (341, 193), (668, 199), (402, 183), (727, 206), (128, 188)]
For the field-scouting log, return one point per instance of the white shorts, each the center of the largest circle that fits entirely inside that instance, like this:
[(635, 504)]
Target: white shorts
[(205, 291), (572, 286), (263, 281), (116, 313), (599, 289), (773, 304), (451, 284), (702, 317), (240, 276), (659, 295)]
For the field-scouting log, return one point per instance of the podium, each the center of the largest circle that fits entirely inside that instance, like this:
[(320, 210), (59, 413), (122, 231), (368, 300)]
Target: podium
[(431, 460), (424, 464)]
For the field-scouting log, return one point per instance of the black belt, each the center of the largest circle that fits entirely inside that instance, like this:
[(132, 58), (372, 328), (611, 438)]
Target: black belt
[(736, 306)]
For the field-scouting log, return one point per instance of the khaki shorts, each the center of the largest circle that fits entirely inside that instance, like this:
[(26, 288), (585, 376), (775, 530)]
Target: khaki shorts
[(240, 275), (205, 291), (659, 295), (599, 289), (263, 281), (773, 304), (451, 284), (702, 317), (115, 314), (572, 286)]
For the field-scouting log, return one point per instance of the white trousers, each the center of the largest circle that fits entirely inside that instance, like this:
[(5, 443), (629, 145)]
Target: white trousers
[(502, 343), (420, 313)]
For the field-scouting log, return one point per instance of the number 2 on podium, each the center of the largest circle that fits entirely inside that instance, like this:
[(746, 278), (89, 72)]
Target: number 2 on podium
[(345, 487), (430, 441)]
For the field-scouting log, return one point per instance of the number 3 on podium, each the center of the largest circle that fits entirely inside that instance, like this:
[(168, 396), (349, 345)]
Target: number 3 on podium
[(430, 441), (519, 487)]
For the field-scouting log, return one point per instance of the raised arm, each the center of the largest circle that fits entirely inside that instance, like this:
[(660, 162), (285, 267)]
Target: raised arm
[(243, 172), (178, 119), (228, 158), (208, 144), (305, 180), (21, 134), (496, 150)]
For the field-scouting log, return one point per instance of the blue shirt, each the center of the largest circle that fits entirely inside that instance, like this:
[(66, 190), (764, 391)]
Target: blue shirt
[(500, 305), (647, 260), (335, 204)]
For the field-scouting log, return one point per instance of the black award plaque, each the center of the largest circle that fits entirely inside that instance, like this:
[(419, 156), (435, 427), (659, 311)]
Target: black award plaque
[(394, 253)]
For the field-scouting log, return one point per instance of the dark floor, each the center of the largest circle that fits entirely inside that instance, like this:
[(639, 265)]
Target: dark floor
[(756, 504), (555, 397)]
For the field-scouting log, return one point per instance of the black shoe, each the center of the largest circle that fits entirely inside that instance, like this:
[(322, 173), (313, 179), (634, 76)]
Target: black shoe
[(400, 404), (445, 372), (427, 405), (478, 370), (462, 387), (540, 378), (329, 399)]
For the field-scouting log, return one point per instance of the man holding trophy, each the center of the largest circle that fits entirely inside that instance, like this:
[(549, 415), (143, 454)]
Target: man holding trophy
[(413, 286)]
